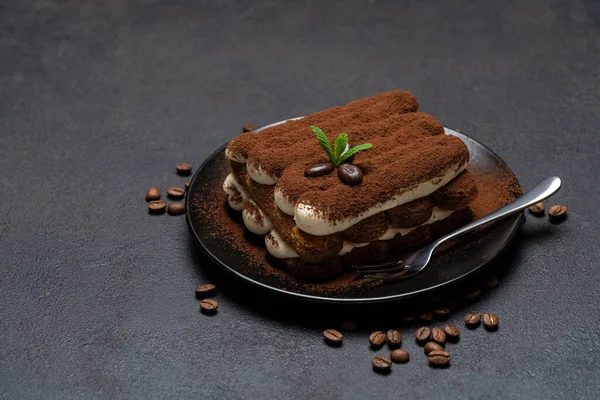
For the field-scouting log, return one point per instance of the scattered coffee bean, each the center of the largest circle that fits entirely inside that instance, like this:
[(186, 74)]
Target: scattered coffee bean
[(438, 335), (557, 212), (407, 319), (187, 184), (350, 174), (176, 208), (206, 290), (423, 335), (441, 313), (439, 358), (377, 339), (176, 193), (491, 282), (349, 325), (452, 333), (248, 128), (490, 321), (208, 306), (400, 356), (450, 303), (394, 338), (474, 296), (157, 206), (537, 209), (432, 346), (332, 336), (382, 363), (184, 168), (152, 194), (319, 170), (425, 318), (473, 320)]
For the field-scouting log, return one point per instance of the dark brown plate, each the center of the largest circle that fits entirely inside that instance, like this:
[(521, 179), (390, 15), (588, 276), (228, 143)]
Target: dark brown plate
[(220, 234)]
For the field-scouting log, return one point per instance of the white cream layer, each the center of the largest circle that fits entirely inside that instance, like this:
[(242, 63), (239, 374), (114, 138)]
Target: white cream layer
[(311, 220), (259, 223), (234, 190), (278, 247), (259, 175), (437, 214), (234, 156)]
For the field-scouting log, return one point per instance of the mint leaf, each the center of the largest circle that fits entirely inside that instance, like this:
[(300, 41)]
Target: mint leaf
[(340, 145), (352, 152), (324, 142)]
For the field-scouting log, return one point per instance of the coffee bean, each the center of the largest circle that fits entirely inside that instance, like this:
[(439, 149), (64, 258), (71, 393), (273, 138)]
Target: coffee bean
[(187, 184), (377, 339), (473, 320), (557, 212), (439, 358), (423, 334), (441, 313), (208, 306), (157, 206), (438, 335), (152, 194), (349, 325), (350, 174), (206, 290), (176, 208), (184, 168), (452, 333), (537, 209), (491, 282), (332, 336), (176, 192), (248, 128), (425, 318), (400, 356), (382, 363), (490, 321), (393, 338), (319, 170), (432, 346), (473, 296), (407, 319)]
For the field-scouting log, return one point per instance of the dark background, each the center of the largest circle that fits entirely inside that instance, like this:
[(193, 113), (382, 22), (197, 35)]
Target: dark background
[(100, 99)]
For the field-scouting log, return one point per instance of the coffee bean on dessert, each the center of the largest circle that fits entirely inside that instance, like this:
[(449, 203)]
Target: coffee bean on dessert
[(152, 194), (441, 313), (377, 339), (432, 346), (423, 334), (382, 363), (473, 320), (400, 356), (332, 336), (537, 209), (393, 338), (248, 128), (176, 208), (206, 290), (473, 296), (452, 333), (157, 206), (491, 282), (350, 174), (439, 358), (426, 317), (557, 212), (438, 335), (490, 321), (208, 306), (176, 192), (184, 168), (319, 170), (187, 184)]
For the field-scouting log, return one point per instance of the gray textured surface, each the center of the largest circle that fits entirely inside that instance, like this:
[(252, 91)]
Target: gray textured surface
[(100, 99)]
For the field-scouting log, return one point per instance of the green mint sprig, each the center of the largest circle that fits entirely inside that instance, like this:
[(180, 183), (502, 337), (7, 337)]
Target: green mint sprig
[(337, 155)]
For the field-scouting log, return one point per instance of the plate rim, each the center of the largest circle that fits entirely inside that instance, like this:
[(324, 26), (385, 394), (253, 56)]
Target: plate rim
[(516, 223)]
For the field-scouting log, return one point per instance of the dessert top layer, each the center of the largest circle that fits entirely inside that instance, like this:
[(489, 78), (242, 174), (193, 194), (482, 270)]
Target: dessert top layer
[(410, 158)]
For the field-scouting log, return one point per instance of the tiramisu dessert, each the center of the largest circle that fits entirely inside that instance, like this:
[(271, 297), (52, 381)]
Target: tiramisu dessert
[(350, 184)]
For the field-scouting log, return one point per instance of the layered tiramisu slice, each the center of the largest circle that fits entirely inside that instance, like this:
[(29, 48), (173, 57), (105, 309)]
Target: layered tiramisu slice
[(350, 184)]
